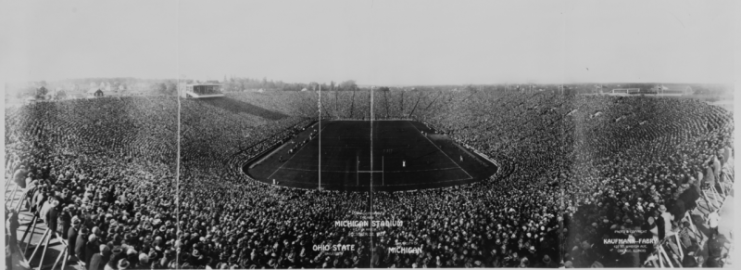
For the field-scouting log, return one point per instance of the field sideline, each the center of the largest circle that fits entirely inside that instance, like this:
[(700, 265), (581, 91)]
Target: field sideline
[(403, 159)]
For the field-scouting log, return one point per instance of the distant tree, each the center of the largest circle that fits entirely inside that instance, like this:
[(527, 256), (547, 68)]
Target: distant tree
[(172, 88), (348, 85), (162, 88), (60, 95), (270, 85), (41, 92), (331, 86), (280, 85), (383, 89)]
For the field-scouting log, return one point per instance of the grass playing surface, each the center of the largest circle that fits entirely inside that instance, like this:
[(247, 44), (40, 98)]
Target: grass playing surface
[(392, 155)]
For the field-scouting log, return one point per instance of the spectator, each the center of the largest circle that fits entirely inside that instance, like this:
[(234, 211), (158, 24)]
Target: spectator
[(713, 221)]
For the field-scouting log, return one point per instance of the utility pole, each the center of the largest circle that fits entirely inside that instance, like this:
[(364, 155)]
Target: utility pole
[(319, 170)]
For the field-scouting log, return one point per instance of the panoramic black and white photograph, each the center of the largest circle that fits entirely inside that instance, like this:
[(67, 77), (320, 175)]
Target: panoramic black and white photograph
[(368, 134)]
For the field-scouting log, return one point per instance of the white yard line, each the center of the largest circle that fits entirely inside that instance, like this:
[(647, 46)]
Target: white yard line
[(438, 148), (289, 159), (268, 155)]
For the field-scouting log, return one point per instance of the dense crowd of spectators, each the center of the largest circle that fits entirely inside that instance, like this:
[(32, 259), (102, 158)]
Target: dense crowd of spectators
[(621, 163), (100, 173), (104, 174), (648, 174), (212, 131)]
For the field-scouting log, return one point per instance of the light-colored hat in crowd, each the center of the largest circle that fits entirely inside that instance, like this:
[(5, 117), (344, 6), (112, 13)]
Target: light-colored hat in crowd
[(123, 264)]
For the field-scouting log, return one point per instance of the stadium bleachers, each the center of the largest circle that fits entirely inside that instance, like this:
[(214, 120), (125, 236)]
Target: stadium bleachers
[(573, 168)]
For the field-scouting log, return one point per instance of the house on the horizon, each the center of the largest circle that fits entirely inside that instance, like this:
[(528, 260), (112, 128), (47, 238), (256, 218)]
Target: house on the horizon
[(95, 93)]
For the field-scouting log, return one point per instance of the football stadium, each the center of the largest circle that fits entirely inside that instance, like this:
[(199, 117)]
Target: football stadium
[(181, 134), (485, 176)]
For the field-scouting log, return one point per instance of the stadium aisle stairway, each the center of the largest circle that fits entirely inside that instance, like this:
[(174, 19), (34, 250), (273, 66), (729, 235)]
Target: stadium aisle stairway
[(35, 234), (710, 200)]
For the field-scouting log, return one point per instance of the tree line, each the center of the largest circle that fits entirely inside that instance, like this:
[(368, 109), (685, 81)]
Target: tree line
[(242, 84)]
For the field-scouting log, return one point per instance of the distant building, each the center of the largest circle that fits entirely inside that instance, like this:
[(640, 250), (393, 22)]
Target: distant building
[(95, 93), (678, 90), (626, 91), (200, 90)]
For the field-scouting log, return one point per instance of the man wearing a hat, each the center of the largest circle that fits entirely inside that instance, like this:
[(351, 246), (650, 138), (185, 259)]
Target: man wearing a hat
[(80, 245), (92, 247), (143, 261), (30, 190), (20, 176), (53, 213), (117, 254), (72, 236), (65, 220), (667, 219), (690, 257), (98, 260), (132, 256), (713, 219), (546, 262), (123, 264), (112, 262)]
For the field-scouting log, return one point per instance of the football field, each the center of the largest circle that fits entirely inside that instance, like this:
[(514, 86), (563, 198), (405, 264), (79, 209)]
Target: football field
[(389, 155)]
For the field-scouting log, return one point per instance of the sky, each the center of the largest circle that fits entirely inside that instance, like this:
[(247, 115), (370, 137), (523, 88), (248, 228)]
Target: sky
[(372, 42)]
